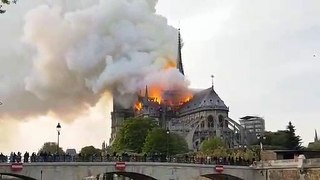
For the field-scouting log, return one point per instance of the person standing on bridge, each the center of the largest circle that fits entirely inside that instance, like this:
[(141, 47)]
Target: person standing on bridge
[(26, 157)]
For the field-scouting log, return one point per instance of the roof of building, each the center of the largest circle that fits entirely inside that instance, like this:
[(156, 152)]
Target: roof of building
[(71, 152), (250, 117), (205, 99)]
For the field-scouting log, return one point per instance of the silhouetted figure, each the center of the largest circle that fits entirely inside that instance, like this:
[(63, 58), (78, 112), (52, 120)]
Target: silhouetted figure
[(26, 157), (14, 159)]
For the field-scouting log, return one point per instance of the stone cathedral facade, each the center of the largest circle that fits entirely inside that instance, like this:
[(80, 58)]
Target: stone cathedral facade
[(201, 116)]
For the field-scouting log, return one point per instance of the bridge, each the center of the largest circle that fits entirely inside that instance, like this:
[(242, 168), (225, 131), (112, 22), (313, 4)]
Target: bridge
[(58, 168), (132, 170)]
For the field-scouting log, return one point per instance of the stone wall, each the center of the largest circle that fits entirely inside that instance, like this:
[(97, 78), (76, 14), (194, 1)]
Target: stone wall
[(293, 174), (268, 155), (311, 174), (287, 174)]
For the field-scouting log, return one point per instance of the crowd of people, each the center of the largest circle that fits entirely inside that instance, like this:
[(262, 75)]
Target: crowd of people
[(47, 157)]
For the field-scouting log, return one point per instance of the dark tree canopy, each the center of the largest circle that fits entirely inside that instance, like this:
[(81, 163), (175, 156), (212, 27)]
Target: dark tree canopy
[(159, 141), (88, 151), (282, 139), (293, 141), (132, 134), (50, 148), (315, 146)]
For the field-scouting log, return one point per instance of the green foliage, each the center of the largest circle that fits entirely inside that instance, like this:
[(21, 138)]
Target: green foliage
[(282, 139), (315, 146), (158, 141), (177, 144), (211, 144), (5, 1), (88, 151), (50, 148), (275, 139), (132, 134), (293, 141)]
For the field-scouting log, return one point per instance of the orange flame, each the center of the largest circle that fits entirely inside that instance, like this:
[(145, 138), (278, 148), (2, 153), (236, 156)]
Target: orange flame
[(138, 106), (156, 94), (186, 99), (170, 63)]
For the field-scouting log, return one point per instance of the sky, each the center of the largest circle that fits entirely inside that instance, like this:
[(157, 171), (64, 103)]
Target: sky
[(265, 57)]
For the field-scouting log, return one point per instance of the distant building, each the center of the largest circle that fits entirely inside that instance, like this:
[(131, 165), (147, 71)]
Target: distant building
[(253, 124), (316, 143), (71, 152)]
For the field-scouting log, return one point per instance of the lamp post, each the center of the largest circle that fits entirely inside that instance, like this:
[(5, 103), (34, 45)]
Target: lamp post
[(168, 132), (261, 138), (58, 130)]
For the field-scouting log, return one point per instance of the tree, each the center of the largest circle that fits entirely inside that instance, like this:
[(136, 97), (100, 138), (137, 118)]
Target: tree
[(315, 146), (282, 139), (177, 144), (132, 134), (211, 144), (158, 141), (50, 148), (275, 140), (293, 141), (88, 151)]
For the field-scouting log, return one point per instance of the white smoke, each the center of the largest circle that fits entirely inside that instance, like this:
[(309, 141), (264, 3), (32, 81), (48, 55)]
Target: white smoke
[(80, 52)]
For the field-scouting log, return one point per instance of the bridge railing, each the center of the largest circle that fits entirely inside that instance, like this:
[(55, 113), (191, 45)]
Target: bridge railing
[(125, 158)]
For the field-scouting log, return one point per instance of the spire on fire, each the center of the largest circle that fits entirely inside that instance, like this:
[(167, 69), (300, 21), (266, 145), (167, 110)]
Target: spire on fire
[(179, 59), (315, 136)]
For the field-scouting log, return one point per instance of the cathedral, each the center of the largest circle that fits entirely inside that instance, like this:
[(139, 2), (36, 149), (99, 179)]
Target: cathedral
[(196, 115)]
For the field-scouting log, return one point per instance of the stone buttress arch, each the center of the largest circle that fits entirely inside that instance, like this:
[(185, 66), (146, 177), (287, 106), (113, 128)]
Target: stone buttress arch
[(18, 176)]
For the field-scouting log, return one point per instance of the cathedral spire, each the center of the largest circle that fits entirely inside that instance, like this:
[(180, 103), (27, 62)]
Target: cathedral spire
[(315, 136), (146, 93), (179, 58), (212, 76)]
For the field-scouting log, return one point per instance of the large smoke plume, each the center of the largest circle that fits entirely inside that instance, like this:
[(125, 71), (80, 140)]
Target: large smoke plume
[(78, 53)]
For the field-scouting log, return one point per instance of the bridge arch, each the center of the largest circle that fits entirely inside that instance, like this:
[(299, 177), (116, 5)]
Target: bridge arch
[(131, 175), (221, 177), (18, 176)]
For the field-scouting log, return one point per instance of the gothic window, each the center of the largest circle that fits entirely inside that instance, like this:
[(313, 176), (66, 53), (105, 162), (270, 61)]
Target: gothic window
[(210, 121), (221, 121), (202, 124)]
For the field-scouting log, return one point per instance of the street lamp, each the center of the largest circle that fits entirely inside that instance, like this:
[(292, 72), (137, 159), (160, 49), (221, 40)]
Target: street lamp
[(168, 132), (261, 138), (58, 130)]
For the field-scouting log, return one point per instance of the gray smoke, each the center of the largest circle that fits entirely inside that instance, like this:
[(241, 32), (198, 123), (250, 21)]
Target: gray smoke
[(79, 52)]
